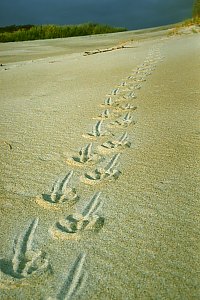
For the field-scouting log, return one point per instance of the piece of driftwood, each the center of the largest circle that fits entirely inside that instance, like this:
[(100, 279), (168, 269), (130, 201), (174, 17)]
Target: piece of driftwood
[(7, 144), (97, 51)]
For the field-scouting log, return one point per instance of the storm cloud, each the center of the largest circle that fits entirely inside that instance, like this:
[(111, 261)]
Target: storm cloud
[(132, 14)]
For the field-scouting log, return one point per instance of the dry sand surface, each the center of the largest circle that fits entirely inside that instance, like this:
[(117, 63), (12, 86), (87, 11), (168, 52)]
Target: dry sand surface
[(51, 97)]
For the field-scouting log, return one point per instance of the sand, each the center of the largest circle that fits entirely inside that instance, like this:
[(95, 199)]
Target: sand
[(51, 97)]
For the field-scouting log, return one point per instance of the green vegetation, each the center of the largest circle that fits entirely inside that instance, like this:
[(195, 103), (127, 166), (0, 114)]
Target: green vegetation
[(190, 22), (13, 28), (186, 23), (15, 33), (193, 24), (196, 9)]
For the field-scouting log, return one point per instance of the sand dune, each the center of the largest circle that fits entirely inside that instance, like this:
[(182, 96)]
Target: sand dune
[(132, 225)]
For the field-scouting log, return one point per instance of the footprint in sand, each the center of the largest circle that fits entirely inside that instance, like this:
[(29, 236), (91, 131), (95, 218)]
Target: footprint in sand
[(127, 107), (26, 261), (108, 102), (100, 175), (115, 92), (73, 225), (61, 195), (106, 114), (97, 131), (74, 281), (85, 157), (116, 145), (124, 121), (130, 96)]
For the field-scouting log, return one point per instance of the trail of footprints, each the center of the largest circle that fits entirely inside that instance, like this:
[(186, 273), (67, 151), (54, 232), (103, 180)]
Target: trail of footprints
[(27, 261)]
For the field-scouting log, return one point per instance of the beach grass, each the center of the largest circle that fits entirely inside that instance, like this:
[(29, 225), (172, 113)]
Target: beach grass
[(37, 32)]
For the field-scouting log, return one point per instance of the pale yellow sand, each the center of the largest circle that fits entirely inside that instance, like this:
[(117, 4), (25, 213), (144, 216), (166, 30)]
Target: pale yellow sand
[(149, 245)]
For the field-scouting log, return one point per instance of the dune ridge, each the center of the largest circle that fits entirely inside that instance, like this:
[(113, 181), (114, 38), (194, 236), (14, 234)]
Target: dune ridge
[(138, 202)]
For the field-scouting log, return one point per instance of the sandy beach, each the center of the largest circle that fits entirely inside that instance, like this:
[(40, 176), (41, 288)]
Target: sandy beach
[(51, 96)]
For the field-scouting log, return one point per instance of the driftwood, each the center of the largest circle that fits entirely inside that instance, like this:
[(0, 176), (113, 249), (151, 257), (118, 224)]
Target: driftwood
[(6, 143), (97, 51)]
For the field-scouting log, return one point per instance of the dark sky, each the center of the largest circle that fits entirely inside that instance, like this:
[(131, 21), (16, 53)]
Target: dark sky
[(132, 14)]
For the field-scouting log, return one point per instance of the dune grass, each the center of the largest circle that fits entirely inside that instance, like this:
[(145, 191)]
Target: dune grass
[(32, 32), (184, 24)]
